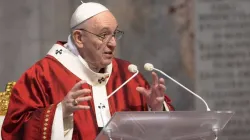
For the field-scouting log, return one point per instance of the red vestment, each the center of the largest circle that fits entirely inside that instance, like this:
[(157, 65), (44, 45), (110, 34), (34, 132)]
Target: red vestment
[(36, 94)]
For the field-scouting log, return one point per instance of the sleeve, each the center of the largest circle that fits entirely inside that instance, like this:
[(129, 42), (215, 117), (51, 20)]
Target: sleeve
[(167, 104), (30, 112)]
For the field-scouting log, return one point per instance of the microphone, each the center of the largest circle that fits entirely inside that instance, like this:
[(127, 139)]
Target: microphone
[(132, 68), (150, 67)]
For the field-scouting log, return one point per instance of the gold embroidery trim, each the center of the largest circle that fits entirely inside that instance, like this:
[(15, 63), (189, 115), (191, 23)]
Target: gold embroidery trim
[(5, 97), (46, 121)]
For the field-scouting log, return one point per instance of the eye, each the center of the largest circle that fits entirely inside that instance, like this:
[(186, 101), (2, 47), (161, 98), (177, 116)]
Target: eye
[(103, 35)]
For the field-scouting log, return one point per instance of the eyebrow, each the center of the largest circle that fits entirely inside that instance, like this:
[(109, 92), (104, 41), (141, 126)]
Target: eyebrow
[(107, 29)]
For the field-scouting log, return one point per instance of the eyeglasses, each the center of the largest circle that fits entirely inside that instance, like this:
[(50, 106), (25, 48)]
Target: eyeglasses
[(117, 34)]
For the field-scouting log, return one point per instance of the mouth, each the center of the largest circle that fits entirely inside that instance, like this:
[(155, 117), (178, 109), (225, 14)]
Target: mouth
[(109, 53)]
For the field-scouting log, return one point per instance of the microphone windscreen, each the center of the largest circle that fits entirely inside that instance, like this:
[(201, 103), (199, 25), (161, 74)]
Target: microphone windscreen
[(132, 68), (148, 67)]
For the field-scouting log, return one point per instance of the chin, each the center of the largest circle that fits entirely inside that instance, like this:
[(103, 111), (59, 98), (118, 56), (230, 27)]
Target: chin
[(106, 62)]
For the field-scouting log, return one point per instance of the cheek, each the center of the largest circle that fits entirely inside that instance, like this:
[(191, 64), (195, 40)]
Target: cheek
[(94, 49), (98, 49), (99, 46)]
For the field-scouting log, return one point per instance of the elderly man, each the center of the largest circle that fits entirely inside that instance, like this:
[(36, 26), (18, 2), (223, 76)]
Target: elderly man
[(63, 96)]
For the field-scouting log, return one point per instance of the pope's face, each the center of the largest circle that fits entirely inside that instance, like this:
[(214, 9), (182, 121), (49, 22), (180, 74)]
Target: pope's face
[(98, 44)]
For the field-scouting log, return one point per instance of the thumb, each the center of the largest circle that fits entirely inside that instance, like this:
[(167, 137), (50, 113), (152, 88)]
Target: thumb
[(143, 91)]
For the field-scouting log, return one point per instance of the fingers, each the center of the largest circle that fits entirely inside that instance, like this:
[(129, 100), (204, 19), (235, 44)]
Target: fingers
[(81, 107), (82, 99), (162, 88), (71, 101), (70, 106), (162, 81), (158, 86), (160, 99), (77, 86), (143, 91), (81, 92), (155, 78)]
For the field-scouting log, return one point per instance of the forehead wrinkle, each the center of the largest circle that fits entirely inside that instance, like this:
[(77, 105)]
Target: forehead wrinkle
[(103, 20)]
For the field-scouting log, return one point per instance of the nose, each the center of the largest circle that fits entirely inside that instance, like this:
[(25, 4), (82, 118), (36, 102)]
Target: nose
[(112, 43)]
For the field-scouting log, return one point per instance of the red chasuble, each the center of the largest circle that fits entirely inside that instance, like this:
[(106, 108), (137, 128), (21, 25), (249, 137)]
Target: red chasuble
[(36, 94)]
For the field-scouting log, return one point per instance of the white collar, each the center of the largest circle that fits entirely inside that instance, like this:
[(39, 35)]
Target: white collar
[(71, 59), (71, 46)]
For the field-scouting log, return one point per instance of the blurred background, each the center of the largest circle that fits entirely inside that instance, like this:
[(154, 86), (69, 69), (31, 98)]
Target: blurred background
[(203, 44)]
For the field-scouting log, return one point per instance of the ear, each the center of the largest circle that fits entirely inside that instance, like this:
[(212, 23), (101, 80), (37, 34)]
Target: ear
[(77, 38)]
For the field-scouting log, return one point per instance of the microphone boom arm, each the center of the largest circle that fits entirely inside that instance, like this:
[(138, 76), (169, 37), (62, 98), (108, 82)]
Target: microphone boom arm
[(208, 109), (122, 85)]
